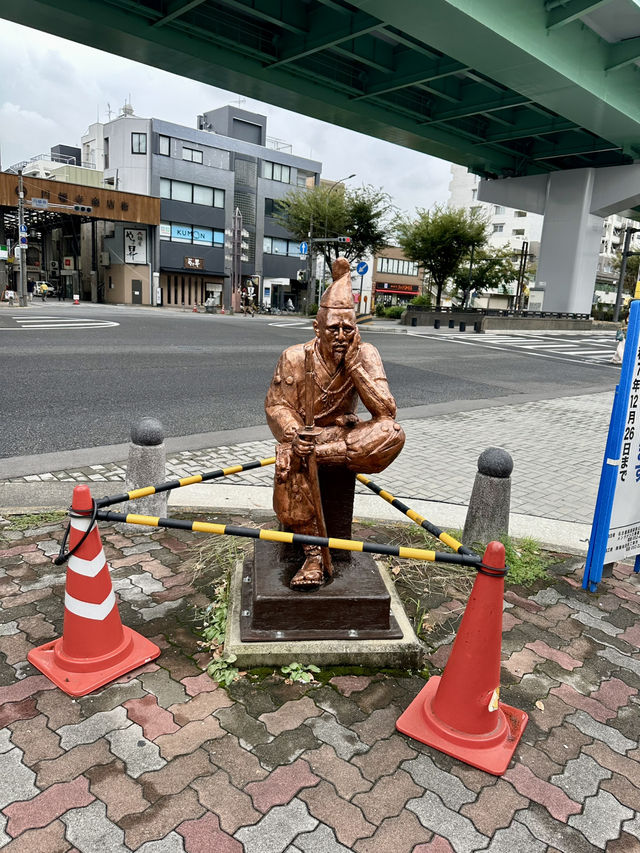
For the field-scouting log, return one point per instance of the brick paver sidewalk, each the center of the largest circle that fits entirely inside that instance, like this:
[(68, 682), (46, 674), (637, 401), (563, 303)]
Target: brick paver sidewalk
[(164, 761)]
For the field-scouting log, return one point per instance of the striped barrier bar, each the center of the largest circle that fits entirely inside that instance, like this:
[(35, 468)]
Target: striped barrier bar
[(185, 481), (294, 538), (442, 535)]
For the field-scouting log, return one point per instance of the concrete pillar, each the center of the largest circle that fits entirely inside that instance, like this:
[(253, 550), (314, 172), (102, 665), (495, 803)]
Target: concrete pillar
[(146, 466), (488, 512), (570, 245)]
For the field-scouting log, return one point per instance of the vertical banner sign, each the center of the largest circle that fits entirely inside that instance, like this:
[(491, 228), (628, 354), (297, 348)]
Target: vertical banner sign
[(615, 533), (135, 245)]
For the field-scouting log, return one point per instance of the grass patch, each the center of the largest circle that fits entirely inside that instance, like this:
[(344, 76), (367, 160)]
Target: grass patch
[(26, 522), (526, 560)]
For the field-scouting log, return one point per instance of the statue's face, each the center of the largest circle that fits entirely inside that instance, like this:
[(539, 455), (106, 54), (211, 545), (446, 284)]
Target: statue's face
[(335, 329)]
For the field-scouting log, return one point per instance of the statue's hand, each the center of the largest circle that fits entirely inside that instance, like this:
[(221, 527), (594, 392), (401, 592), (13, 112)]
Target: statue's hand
[(302, 445), (352, 355)]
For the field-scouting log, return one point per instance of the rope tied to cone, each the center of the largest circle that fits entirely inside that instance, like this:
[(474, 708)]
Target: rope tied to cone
[(74, 513)]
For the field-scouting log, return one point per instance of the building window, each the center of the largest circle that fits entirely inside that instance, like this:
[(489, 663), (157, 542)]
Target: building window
[(271, 206), (276, 172), (518, 232), (138, 143), (497, 209), (279, 246), (498, 228), (106, 152), (192, 155), (192, 193), (180, 232), (521, 213), (397, 266), (164, 145), (474, 194)]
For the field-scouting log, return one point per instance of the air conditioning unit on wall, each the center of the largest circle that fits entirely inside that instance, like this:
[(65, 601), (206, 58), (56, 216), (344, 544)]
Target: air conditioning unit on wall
[(105, 259)]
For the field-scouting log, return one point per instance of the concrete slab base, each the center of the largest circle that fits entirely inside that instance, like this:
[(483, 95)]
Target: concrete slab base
[(404, 653)]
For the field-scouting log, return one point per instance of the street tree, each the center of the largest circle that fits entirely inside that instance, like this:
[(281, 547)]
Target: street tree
[(333, 211), (492, 269), (439, 239), (631, 271)]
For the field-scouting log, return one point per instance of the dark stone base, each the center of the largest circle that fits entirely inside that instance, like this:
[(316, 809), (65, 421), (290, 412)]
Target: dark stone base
[(354, 604)]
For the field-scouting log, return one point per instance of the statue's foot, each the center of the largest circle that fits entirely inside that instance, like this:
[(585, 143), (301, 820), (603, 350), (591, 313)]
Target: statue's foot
[(310, 576)]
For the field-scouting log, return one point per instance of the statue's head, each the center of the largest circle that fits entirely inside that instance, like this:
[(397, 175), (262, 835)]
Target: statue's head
[(335, 324)]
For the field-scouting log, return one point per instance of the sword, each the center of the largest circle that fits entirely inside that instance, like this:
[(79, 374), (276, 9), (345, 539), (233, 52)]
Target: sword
[(310, 431)]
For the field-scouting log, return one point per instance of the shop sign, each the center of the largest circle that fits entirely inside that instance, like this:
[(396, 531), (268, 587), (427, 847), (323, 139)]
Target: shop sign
[(386, 287), (194, 263), (135, 245)]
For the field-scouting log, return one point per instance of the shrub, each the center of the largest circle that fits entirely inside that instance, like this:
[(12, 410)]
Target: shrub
[(380, 309), (394, 312), (313, 309), (422, 301)]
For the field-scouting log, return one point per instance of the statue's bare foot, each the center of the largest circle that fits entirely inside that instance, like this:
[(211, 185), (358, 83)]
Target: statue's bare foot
[(311, 575)]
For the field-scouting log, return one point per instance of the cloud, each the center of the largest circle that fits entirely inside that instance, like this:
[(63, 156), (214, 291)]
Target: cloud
[(63, 87)]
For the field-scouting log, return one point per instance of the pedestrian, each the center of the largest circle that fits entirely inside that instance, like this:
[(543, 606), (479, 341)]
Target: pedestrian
[(621, 335), (30, 286), (44, 288), (290, 306)]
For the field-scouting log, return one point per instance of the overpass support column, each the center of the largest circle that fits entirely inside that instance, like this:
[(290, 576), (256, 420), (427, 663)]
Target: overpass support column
[(570, 245)]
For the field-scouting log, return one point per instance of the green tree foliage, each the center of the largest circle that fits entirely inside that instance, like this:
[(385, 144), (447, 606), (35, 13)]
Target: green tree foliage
[(491, 269), (631, 272), (336, 211), (439, 239)]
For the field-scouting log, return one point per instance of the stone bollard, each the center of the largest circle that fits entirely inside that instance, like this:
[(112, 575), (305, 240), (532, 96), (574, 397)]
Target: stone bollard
[(488, 512), (146, 467)]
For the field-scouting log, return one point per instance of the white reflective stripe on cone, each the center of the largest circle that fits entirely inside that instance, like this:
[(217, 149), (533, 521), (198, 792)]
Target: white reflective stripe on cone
[(97, 612), (80, 523), (88, 568)]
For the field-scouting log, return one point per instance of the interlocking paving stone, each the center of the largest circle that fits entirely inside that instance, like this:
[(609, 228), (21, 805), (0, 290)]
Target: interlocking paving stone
[(609, 735), (72, 763), (286, 747), (619, 659), (401, 834), (457, 829), (379, 725), (282, 785), (290, 715), (556, 834), (550, 796), (563, 743), (47, 806), (515, 837), (601, 818), (614, 693), (581, 778), (189, 737), (121, 795), (321, 840), (345, 742), (114, 695), (622, 789), (346, 819), (59, 709), (199, 707), (494, 808), (171, 843), (168, 691), (544, 650), (388, 796), (343, 709), (384, 757), (632, 827), (346, 779), (35, 739), (277, 829), (348, 684), (249, 731), (175, 775), (161, 818), (234, 808), (450, 789), (48, 840), (139, 754), (204, 835), (242, 766), (16, 780), (154, 720), (25, 688), (5, 740), (89, 829), (93, 728)]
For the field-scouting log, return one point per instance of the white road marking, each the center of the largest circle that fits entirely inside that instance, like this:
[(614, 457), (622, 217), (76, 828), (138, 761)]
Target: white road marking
[(28, 323)]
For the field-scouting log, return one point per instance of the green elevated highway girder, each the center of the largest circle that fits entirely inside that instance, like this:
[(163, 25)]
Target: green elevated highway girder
[(504, 87)]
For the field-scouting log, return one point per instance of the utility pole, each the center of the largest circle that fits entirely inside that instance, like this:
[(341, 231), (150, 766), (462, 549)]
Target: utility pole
[(22, 288), (311, 284)]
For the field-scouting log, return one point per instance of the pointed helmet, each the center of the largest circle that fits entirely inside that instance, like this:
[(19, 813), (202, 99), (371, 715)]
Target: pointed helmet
[(339, 294)]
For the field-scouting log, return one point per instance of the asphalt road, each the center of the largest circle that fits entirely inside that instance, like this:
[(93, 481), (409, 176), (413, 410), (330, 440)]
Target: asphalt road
[(79, 376)]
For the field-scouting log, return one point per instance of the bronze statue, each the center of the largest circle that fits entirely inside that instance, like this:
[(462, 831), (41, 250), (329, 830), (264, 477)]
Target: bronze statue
[(311, 410)]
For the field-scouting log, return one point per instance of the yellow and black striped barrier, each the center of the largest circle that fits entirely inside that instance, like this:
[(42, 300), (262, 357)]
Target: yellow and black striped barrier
[(293, 538), (444, 537), (185, 481)]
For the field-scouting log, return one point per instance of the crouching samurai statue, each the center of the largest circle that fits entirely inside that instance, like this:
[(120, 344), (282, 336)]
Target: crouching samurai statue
[(311, 410)]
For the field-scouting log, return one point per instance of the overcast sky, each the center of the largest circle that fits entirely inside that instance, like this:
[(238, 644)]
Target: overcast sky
[(52, 89)]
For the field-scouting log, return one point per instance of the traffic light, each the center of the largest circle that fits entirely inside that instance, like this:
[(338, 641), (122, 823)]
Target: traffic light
[(344, 239), (81, 208)]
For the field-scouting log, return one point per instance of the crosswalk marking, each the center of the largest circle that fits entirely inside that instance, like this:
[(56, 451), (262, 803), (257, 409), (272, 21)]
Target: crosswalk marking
[(46, 322)]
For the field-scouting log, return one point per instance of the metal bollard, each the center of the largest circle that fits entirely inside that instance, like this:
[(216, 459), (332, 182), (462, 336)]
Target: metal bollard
[(463, 326), (477, 327), (452, 323), (488, 512), (146, 466), (414, 321), (436, 324)]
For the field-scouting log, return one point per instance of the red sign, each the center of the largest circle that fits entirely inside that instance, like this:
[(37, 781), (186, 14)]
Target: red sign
[(385, 287)]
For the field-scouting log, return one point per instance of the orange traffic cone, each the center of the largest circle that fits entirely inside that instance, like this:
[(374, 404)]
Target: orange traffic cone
[(95, 647), (460, 714), (76, 299), (222, 310), (194, 310)]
